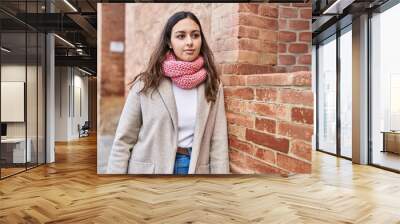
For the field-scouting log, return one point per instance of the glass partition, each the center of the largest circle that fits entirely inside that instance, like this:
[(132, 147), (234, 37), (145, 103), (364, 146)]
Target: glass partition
[(327, 95), (22, 88), (385, 89), (13, 94), (346, 93)]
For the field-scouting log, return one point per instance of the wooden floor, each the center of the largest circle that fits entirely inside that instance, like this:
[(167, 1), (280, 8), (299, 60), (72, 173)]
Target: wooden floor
[(387, 159), (70, 191)]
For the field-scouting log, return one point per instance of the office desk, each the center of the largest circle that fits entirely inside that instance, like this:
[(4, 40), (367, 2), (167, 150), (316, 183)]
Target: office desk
[(13, 150), (391, 141)]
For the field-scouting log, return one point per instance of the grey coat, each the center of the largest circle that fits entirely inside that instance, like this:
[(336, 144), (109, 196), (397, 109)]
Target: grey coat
[(147, 134)]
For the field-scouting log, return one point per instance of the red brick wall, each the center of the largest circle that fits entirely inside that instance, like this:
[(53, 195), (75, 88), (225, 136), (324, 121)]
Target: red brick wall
[(294, 37), (113, 29), (270, 123), (270, 113), (111, 68)]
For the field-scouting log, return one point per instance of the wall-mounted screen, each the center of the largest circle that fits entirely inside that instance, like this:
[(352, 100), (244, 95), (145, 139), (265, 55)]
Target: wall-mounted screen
[(12, 101)]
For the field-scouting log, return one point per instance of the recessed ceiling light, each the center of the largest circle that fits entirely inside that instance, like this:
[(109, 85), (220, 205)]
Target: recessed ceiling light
[(5, 50), (337, 7), (84, 71), (64, 40), (70, 5)]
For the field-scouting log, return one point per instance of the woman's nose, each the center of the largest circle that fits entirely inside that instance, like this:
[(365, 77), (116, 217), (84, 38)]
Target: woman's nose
[(189, 41)]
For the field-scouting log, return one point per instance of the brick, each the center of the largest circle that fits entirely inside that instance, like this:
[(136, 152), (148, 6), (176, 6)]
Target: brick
[(249, 44), (248, 32), (239, 169), (229, 68), (301, 149), (302, 78), (288, 12), (241, 145), (258, 21), (229, 20), (299, 68), (227, 56), (268, 125), (296, 131), (299, 24), (268, 10), (268, 47), (263, 109), (238, 131), (248, 7), (306, 13), (302, 115), (249, 57), (233, 80), (305, 36), (270, 141), (267, 58), (292, 164), (236, 106), (297, 5), (282, 24), (287, 60), (298, 48), (244, 93), (304, 59), (293, 96), (281, 69), (282, 48), (266, 94), (247, 69), (275, 79), (282, 112), (230, 44), (276, 111), (265, 155), (239, 119), (287, 36), (268, 35), (250, 165)]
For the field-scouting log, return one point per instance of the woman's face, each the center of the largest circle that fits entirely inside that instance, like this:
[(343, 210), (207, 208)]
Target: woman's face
[(186, 40)]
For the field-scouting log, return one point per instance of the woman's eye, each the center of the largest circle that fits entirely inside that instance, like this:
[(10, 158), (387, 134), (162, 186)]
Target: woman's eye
[(180, 36), (196, 35)]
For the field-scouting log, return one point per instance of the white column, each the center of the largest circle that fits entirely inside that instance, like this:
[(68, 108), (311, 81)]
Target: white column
[(50, 99), (360, 90)]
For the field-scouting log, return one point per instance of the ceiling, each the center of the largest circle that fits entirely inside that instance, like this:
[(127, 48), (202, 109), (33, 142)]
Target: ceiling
[(332, 15), (74, 21)]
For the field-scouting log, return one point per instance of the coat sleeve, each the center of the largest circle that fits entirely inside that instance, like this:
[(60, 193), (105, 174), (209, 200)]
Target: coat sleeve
[(127, 133), (219, 155)]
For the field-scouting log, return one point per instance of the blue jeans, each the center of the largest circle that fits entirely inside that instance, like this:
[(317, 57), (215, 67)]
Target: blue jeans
[(182, 163)]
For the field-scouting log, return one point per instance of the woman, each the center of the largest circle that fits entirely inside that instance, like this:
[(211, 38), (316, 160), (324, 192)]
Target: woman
[(173, 121)]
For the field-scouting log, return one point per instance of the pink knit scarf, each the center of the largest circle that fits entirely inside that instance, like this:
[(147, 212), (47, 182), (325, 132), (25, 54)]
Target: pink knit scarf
[(185, 75)]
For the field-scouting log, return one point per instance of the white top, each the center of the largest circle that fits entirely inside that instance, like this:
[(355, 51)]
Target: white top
[(186, 105)]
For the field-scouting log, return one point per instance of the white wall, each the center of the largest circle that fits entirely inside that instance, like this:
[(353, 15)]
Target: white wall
[(33, 126), (71, 93), (12, 73)]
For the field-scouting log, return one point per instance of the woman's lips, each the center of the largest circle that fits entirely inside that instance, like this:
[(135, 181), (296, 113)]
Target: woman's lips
[(189, 51)]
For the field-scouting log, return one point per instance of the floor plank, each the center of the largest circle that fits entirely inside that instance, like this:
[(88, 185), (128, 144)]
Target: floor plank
[(70, 191)]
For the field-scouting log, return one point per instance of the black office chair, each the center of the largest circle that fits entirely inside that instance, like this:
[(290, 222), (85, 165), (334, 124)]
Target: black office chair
[(84, 130)]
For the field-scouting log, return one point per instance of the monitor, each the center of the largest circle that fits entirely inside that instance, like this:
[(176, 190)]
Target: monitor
[(3, 129)]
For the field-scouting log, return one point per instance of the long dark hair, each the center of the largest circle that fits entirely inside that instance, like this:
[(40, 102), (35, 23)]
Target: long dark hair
[(154, 73)]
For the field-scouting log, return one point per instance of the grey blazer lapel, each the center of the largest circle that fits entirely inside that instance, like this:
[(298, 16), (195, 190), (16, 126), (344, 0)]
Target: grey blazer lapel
[(167, 96), (203, 110)]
